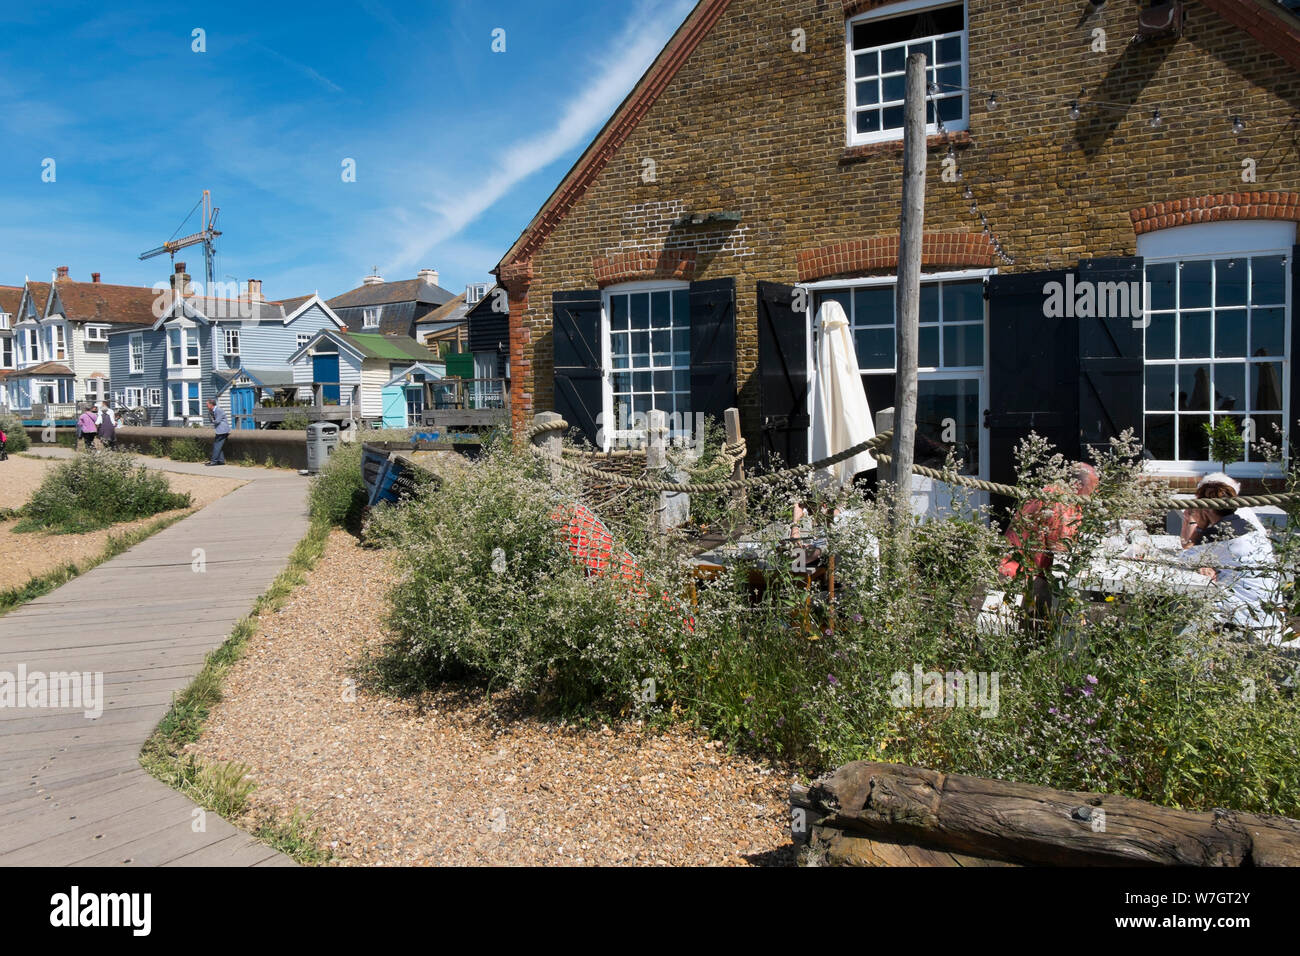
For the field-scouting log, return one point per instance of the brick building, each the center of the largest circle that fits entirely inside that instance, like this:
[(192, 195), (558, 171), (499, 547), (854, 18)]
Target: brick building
[(755, 171)]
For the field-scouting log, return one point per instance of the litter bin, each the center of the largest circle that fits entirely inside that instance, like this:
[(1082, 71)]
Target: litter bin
[(322, 440)]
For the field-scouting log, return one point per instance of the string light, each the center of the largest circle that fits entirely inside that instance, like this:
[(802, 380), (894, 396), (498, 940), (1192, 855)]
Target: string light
[(1238, 125), (968, 192), (1156, 119), (993, 101), (1075, 112)]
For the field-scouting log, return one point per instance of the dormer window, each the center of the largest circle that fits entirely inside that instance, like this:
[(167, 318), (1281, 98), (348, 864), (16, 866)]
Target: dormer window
[(97, 333), (370, 318), (879, 43), (474, 292), (4, 320)]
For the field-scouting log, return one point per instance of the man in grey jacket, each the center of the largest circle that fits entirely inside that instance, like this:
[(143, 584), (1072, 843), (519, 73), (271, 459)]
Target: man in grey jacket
[(221, 425)]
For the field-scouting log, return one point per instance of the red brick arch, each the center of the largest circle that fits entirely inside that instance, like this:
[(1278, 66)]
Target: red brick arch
[(939, 250), (1216, 208), (640, 266), (853, 7)]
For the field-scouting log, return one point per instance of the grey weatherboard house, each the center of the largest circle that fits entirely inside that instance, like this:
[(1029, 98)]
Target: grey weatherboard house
[(235, 351)]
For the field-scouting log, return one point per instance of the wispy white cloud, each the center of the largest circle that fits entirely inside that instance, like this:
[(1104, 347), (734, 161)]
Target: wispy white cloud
[(647, 28), (302, 68)]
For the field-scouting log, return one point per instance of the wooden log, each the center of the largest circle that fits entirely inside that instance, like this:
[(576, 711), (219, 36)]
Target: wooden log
[(1021, 823)]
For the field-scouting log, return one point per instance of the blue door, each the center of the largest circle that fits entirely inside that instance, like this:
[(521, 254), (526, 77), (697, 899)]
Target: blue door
[(325, 368), (241, 407)]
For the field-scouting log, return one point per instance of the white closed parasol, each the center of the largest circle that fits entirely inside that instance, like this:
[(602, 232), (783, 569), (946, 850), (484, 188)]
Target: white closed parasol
[(841, 416)]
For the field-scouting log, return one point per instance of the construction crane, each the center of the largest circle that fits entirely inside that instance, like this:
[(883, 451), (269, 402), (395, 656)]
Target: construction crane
[(206, 236)]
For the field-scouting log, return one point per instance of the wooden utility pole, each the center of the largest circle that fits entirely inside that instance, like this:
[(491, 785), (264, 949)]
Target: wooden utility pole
[(908, 290)]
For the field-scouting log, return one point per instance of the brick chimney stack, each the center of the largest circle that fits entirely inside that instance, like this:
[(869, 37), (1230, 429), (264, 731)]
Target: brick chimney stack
[(94, 277), (428, 275), (181, 280), (63, 272), (255, 290)]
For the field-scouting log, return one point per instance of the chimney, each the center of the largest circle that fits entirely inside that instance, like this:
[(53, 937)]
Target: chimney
[(181, 281), (94, 277), (374, 278), (63, 272), (255, 290), (428, 275)]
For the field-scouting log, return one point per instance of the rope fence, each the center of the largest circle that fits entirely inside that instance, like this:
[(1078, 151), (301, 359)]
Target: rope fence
[(733, 453)]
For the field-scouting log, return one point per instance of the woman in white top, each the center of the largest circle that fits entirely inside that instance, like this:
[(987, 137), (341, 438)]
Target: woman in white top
[(1233, 550)]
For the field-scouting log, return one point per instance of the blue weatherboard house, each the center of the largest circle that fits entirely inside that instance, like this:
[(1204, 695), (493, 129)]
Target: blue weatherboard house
[(234, 351)]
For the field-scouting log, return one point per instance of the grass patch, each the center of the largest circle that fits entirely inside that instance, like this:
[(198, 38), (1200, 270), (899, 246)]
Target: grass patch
[(219, 790), (43, 584), (95, 491), (187, 449)]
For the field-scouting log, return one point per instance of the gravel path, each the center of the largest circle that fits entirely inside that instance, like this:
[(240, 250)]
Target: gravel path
[(449, 780), (25, 556)]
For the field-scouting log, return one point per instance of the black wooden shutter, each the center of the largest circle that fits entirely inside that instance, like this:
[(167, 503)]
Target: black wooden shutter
[(578, 374), (713, 347), (1292, 435), (1033, 371), (1110, 353), (782, 375)]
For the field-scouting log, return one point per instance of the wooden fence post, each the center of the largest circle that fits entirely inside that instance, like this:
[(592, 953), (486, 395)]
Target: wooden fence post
[(552, 442), (732, 419)]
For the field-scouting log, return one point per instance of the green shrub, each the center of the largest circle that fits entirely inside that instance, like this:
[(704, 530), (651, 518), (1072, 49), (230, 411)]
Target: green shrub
[(1120, 696), (94, 491), (16, 434), (157, 448), (295, 422), (338, 494), (187, 449)]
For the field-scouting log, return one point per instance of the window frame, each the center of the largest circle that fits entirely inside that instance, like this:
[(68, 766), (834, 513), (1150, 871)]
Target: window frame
[(228, 337), (134, 343), (1199, 252), (375, 311), (889, 12), (615, 437), (153, 397), (935, 374)]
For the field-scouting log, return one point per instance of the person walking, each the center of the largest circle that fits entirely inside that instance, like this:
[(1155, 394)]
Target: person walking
[(221, 428), (107, 426), (88, 427)]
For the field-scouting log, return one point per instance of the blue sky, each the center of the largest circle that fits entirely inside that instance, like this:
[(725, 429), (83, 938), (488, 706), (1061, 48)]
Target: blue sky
[(455, 146)]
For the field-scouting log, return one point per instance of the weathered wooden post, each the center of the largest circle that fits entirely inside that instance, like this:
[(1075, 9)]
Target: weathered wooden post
[(908, 291), (738, 500), (884, 423), (674, 507), (551, 442)]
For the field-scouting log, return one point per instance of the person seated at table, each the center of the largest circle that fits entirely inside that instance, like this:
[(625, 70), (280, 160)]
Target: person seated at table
[(1236, 554), (1040, 530)]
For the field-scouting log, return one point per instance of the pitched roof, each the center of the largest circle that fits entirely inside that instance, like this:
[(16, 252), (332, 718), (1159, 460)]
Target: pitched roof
[(1268, 22), (45, 368), (452, 311), (99, 302), (382, 293), (291, 305), (10, 297), (39, 293), (387, 346)]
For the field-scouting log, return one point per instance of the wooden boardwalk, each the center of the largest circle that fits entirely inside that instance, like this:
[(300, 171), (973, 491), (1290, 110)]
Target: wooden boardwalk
[(72, 791)]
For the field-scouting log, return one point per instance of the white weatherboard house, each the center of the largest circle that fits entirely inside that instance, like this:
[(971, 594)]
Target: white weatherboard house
[(60, 339), (352, 369), (235, 351)]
